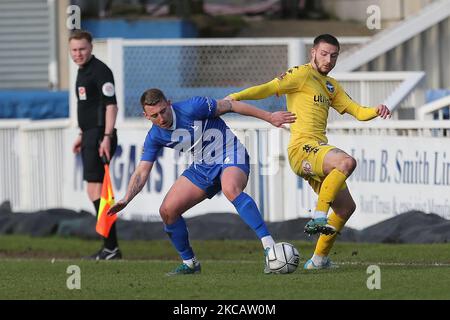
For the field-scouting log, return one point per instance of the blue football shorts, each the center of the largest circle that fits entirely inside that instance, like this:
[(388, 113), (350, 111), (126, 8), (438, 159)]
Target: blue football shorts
[(207, 176)]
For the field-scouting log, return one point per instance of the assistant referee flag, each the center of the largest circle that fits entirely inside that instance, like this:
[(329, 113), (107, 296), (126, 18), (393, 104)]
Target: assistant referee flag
[(104, 222)]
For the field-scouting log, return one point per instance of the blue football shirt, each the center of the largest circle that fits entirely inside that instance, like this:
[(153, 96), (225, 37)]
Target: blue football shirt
[(197, 130)]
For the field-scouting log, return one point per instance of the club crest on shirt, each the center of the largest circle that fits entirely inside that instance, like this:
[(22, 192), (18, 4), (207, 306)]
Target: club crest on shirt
[(82, 93), (108, 89), (330, 86)]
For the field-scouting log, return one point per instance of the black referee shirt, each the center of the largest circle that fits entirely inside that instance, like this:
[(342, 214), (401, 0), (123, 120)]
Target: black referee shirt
[(95, 90)]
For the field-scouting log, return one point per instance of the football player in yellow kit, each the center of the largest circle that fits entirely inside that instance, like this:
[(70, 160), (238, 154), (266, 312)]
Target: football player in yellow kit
[(309, 94)]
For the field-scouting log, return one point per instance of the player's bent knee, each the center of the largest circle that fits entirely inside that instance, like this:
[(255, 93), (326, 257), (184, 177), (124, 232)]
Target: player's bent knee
[(165, 214), (231, 192), (347, 165)]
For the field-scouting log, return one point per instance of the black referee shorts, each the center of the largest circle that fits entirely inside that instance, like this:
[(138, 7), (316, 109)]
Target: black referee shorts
[(93, 167)]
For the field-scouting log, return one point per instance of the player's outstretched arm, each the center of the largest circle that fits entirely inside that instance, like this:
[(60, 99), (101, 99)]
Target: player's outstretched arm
[(256, 93), (344, 104), (365, 114), (137, 182), (275, 118)]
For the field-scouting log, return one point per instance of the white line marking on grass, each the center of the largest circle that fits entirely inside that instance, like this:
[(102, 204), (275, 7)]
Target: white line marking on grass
[(341, 263), (395, 264)]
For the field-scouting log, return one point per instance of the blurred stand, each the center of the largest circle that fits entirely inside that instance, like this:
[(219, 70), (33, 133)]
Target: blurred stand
[(286, 9)]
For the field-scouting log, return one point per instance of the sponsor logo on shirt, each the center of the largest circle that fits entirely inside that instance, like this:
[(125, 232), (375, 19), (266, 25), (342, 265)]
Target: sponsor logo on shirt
[(308, 149), (82, 93), (108, 89), (321, 99)]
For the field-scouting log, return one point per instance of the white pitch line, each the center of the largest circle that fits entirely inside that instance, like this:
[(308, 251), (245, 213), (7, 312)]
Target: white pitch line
[(395, 264), (340, 263), (355, 263)]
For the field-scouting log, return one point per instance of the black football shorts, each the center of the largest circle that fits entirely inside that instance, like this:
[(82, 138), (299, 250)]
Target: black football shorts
[(93, 167)]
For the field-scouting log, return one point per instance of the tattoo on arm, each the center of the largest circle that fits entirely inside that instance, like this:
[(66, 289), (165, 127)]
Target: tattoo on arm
[(135, 187)]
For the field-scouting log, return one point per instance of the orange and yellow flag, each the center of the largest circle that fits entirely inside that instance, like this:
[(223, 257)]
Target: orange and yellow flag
[(104, 222)]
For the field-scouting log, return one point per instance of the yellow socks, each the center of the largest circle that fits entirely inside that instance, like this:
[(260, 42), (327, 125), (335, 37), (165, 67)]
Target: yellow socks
[(325, 242), (331, 185)]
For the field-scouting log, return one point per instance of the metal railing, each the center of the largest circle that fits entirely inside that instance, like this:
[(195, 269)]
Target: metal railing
[(186, 67), (394, 36), (394, 89), (34, 162), (406, 46), (437, 107)]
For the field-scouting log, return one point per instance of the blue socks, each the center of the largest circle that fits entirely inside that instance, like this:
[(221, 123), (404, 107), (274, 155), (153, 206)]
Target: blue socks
[(245, 206), (247, 209), (179, 236)]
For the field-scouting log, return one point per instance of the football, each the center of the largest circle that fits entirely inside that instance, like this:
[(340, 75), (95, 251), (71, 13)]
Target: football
[(282, 258)]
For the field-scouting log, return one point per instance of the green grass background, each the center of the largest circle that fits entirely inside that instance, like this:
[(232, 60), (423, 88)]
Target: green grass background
[(36, 268)]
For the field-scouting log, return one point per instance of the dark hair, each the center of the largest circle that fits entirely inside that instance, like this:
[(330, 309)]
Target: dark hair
[(152, 97), (327, 38), (78, 34)]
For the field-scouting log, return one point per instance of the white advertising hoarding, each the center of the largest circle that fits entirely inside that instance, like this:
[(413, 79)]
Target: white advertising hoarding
[(145, 206), (393, 175)]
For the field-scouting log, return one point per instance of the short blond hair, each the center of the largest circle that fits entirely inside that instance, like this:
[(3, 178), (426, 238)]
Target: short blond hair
[(78, 34), (152, 97)]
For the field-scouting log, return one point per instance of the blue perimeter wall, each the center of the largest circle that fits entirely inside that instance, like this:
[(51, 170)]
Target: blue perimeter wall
[(140, 29), (34, 104)]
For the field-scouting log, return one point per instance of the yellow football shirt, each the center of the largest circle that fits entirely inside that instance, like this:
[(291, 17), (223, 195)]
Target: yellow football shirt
[(309, 95)]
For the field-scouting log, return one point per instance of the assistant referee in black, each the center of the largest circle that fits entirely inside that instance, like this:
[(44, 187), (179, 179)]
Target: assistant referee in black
[(97, 112)]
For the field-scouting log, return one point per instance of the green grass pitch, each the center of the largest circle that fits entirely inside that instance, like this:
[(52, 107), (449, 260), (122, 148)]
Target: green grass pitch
[(36, 268)]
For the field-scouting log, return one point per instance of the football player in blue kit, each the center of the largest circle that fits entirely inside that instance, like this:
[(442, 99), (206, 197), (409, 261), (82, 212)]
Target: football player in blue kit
[(220, 163)]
